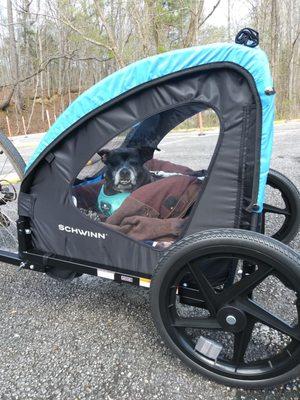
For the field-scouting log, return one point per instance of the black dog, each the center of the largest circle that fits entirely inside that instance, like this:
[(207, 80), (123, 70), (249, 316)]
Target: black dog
[(125, 171)]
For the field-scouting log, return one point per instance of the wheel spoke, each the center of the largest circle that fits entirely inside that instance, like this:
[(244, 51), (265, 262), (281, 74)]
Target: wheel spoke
[(263, 316), (3, 165), (197, 323), (241, 342), (245, 285), (263, 222), (205, 288), (268, 208), (297, 303)]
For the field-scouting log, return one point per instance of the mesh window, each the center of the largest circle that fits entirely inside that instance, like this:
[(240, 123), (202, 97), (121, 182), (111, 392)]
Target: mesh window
[(145, 181)]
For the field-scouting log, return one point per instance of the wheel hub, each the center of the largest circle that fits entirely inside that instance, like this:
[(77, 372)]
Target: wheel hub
[(232, 319)]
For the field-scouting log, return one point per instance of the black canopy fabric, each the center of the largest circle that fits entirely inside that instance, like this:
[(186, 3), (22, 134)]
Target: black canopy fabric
[(230, 191), (152, 130)]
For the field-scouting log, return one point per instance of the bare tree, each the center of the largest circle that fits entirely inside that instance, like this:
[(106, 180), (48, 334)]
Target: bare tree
[(195, 11), (52, 50), (14, 60), (228, 19)]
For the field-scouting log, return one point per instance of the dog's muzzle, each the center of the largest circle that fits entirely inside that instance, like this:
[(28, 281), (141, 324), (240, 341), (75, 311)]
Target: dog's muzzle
[(125, 179)]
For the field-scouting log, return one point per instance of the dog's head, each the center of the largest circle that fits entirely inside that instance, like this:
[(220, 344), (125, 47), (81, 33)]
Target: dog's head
[(125, 168)]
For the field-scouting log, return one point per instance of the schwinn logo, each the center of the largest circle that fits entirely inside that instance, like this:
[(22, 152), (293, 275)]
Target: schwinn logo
[(81, 232)]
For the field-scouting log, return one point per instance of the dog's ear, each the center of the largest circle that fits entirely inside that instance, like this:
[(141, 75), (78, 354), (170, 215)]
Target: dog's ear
[(104, 153), (146, 152)]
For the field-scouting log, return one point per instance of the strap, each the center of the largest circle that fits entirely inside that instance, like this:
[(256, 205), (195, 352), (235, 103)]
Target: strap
[(248, 37), (26, 205), (49, 157)]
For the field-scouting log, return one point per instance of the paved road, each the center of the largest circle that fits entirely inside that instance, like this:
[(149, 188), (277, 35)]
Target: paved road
[(94, 339)]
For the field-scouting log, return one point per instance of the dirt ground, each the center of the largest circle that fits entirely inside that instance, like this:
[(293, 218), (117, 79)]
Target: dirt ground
[(33, 117)]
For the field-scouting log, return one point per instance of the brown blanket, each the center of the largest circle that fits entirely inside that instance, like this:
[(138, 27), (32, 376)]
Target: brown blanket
[(156, 211)]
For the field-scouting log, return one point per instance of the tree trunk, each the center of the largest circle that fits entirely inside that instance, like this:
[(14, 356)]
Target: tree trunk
[(14, 61), (5, 103), (228, 21), (42, 75), (274, 35), (196, 11)]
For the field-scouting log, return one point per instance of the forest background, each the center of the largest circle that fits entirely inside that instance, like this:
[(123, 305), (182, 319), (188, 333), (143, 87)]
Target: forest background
[(53, 50)]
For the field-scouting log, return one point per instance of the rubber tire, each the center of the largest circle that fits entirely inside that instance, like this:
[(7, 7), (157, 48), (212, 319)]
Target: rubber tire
[(283, 184), (14, 156), (259, 244)]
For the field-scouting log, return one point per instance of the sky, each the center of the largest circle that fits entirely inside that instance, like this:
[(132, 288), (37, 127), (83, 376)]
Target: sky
[(239, 12)]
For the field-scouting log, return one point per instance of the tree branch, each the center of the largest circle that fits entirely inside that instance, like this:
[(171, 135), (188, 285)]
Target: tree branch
[(44, 65), (110, 34), (210, 13), (71, 26)]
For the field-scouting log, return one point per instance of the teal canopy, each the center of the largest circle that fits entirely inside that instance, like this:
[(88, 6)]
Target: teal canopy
[(254, 60)]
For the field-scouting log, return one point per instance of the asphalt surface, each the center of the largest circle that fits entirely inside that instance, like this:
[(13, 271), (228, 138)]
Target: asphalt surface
[(95, 339)]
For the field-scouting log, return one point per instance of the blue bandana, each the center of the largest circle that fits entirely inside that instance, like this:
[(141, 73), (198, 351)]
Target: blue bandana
[(107, 205)]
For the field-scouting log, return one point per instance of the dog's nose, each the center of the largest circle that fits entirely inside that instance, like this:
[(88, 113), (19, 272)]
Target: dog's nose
[(124, 173)]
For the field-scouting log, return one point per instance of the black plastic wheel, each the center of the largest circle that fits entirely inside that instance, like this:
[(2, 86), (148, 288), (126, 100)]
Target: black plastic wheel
[(287, 216), (245, 333)]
